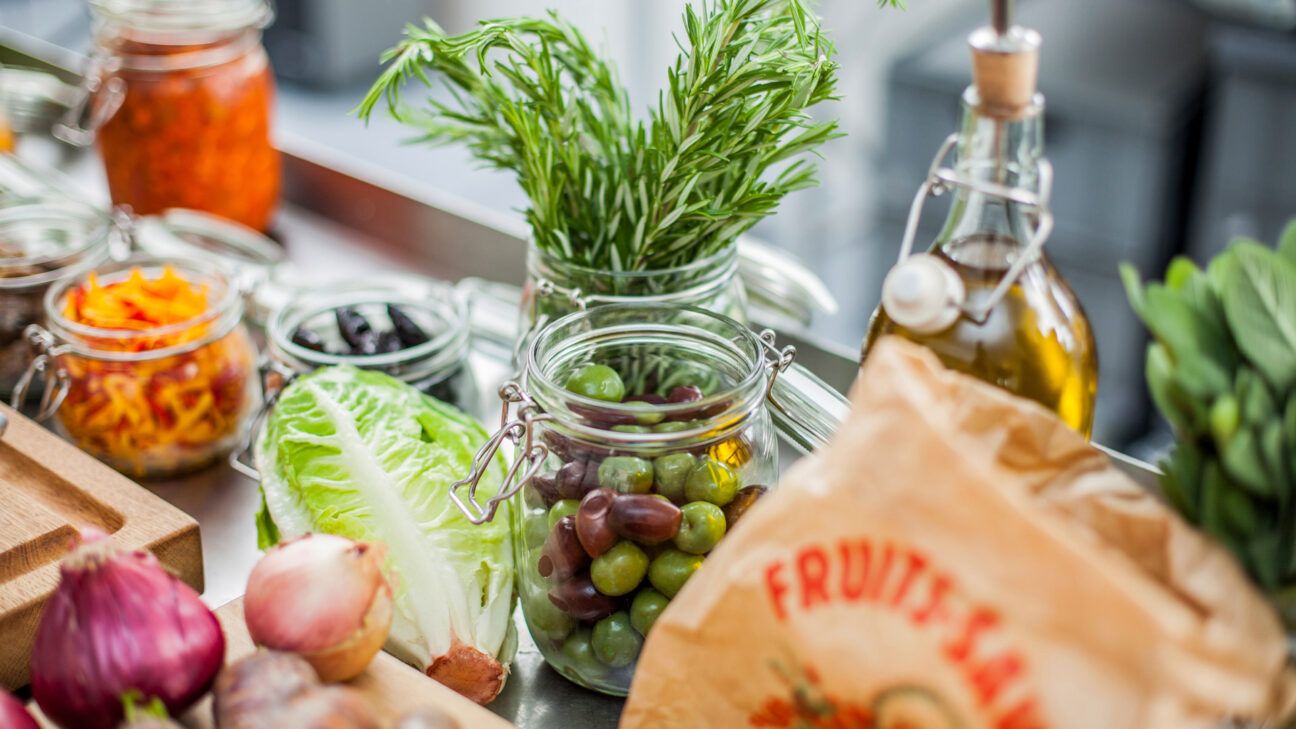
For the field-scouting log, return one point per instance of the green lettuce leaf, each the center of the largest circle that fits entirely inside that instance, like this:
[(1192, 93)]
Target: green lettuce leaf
[(362, 455)]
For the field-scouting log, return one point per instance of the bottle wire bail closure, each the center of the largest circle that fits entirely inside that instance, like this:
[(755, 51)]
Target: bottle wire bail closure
[(528, 459), (923, 293)]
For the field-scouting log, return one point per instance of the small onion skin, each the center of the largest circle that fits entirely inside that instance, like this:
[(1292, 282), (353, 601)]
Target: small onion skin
[(13, 715), (271, 690), (118, 622), (323, 597)]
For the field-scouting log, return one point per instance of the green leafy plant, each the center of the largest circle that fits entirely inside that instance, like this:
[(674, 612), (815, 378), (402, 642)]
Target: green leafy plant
[(1222, 369), (722, 146)]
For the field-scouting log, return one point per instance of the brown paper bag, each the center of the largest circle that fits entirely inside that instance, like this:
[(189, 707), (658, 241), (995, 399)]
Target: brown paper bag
[(958, 558)]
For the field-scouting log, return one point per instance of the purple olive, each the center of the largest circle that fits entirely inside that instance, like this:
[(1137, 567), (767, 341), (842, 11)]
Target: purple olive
[(743, 501), (563, 555), (578, 598), (569, 449), (603, 417), (651, 398), (592, 527), (546, 486), (684, 393), (644, 518), (576, 479)]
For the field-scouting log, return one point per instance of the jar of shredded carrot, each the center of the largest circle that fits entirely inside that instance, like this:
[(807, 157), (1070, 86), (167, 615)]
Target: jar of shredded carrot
[(184, 94), (149, 366)]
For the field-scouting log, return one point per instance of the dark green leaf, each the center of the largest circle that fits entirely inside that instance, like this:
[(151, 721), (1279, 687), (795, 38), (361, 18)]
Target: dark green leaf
[(1181, 479), (1201, 377), (1262, 558), (1160, 378), (1258, 289), (1275, 455), (1184, 330), (1242, 461)]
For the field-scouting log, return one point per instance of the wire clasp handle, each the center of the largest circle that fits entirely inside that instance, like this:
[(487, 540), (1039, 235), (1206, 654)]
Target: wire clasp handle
[(528, 459), (44, 364)]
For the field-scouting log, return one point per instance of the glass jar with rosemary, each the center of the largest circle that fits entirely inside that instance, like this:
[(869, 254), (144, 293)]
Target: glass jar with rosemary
[(622, 207)]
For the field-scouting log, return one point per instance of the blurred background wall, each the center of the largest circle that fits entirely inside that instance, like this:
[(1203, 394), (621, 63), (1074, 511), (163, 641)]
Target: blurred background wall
[(1171, 123)]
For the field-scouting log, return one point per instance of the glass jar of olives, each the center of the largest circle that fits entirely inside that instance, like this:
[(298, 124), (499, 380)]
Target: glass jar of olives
[(642, 438)]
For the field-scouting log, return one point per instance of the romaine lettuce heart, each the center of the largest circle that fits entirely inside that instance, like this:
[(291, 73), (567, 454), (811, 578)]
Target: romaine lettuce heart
[(360, 454)]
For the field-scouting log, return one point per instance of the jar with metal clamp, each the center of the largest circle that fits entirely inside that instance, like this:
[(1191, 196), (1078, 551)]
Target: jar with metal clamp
[(642, 437), (150, 401), (180, 96), (986, 299)]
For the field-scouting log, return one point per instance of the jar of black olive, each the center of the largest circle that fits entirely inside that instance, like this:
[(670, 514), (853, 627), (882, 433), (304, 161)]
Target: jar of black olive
[(422, 339), (642, 433)]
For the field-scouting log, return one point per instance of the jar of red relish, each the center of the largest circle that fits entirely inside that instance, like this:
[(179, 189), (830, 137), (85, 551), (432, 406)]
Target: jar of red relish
[(181, 98)]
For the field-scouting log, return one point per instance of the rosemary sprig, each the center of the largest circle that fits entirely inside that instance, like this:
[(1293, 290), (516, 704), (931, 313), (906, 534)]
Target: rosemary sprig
[(725, 142)]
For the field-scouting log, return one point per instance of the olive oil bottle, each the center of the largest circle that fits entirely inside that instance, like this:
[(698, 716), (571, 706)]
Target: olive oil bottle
[(985, 299)]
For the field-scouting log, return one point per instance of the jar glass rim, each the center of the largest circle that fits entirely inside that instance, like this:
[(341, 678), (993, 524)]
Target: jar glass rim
[(227, 308), (187, 20), (722, 259), (449, 344), (68, 217), (738, 398)]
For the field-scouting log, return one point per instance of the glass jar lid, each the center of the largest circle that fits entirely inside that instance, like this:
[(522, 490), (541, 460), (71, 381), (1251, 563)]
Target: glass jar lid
[(247, 257), (184, 18), (307, 332), (42, 242)]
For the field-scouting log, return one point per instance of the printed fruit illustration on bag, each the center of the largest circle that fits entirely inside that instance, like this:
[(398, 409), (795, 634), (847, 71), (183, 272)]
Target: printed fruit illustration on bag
[(806, 706)]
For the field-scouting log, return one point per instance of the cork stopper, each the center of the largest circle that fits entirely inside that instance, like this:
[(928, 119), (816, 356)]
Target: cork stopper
[(1005, 63)]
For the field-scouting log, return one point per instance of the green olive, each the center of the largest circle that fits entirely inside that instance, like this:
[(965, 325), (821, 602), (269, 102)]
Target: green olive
[(711, 480), (619, 570), (626, 474), (615, 641), (597, 381), (673, 426), (561, 508), (670, 474), (647, 605), (545, 619), (671, 569), (537, 530), (632, 429), (578, 649), (646, 414), (702, 527)]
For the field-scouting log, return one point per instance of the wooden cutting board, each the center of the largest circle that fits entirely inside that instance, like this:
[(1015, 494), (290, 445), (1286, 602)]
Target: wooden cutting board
[(48, 489), (390, 686)]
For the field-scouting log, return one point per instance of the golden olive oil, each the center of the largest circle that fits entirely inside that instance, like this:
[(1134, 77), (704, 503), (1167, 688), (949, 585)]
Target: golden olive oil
[(1035, 343)]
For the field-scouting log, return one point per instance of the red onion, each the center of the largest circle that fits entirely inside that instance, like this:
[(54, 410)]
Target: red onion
[(116, 623), (324, 598), (13, 715)]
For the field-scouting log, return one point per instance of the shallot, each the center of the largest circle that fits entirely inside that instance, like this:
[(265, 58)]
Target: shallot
[(118, 623), (324, 598), (270, 690)]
